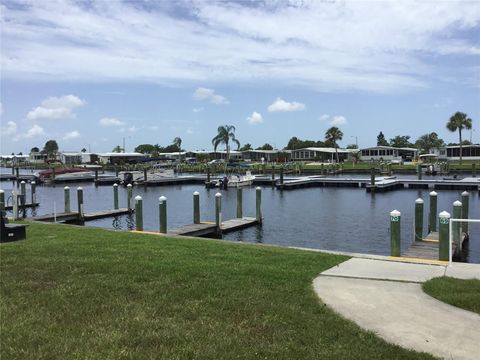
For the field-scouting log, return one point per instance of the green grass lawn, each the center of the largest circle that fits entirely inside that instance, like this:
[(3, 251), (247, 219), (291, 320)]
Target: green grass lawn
[(72, 292), (462, 293)]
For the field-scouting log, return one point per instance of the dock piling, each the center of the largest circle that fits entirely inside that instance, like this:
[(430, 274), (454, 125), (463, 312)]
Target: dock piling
[(258, 192), (432, 217), (15, 204), (115, 196), (418, 219), (196, 207), (129, 197), (218, 211), (80, 203), (138, 213), (33, 188), (419, 171), (465, 211), (163, 214), (395, 216), (281, 175), (474, 170), (443, 236), (239, 202), (145, 175), (456, 226), (2, 202), (23, 194), (66, 199)]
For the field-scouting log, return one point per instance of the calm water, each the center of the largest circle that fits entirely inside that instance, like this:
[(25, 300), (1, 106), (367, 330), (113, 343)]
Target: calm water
[(340, 219)]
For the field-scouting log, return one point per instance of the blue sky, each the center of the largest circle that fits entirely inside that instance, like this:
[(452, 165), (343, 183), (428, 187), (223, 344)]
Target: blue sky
[(90, 73)]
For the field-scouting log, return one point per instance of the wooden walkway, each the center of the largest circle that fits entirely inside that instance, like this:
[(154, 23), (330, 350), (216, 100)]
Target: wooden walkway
[(428, 248), (73, 215)]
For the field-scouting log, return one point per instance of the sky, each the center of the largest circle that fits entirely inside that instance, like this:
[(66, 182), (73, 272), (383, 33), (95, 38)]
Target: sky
[(94, 74)]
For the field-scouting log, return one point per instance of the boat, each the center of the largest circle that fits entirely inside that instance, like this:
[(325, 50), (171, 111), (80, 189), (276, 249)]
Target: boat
[(234, 181), (64, 174), (137, 176)]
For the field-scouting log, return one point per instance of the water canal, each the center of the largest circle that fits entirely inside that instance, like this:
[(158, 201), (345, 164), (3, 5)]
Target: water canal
[(342, 219)]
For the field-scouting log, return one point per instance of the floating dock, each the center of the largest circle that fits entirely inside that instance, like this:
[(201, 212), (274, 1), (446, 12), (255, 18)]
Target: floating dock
[(73, 215), (428, 248)]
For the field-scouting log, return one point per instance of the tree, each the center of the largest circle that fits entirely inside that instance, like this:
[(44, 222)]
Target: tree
[(381, 141), (459, 121), (246, 147), (34, 150), (427, 142), (84, 150), (117, 149), (146, 148), (332, 135), (224, 135), (50, 148), (400, 141), (265, 147), (178, 143), (352, 146), (295, 143)]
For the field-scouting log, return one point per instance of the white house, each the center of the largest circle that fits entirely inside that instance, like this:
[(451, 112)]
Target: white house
[(388, 153)]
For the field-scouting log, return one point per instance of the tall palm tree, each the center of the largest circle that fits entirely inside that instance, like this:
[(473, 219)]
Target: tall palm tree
[(178, 143), (332, 135), (459, 121), (224, 135)]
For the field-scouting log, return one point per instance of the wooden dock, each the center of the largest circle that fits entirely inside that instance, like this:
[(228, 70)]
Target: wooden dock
[(427, 248), (73, 215), (207, 228)]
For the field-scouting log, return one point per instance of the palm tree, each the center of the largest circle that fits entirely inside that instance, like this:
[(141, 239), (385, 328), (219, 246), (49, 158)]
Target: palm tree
[(224, 135), (332, 135), (178, 143), (459, 121)]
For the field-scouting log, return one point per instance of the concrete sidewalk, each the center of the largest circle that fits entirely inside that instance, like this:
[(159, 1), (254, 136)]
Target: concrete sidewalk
[(386, 297)]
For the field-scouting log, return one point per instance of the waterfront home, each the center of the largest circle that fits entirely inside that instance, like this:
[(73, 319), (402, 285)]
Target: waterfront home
[(388, 153), (322, 154), (452, 153), (72, 158), (116, 158), (267, 155)]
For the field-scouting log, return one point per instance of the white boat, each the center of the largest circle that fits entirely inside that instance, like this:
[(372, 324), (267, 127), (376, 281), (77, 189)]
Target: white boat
[(236, 180), (75, 176), (139, 176)]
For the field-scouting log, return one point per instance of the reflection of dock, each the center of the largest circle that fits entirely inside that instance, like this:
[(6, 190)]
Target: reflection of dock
[(428, 248), (74, 216), (209, 228)]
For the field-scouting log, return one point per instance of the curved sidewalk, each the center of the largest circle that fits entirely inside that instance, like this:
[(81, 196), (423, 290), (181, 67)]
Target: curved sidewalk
[(386, 297)]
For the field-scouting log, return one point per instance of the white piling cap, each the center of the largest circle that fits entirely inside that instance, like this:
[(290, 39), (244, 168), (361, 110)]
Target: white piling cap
[(444, 215), (433, 193), (218, 194), (22, 182), (162, 198), (465, 193), (419, 201), (258, 188), (32, 182), (79, 188), (129, 185), (138, 198), (1, 191), (457, 203), (67, 188), (115, 184), (395, 213), (196, 193)]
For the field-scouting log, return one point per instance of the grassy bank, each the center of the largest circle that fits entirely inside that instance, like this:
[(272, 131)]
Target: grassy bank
[(464, 294), (71, 292)]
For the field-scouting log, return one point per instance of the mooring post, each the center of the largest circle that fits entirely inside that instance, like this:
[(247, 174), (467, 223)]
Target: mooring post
[(281, 175), (456, 226), (23, 194), (432, 216), (395, 216), (419, 171), (138, 213), (162, 207), (15, 204), (116, 170), (465, 211), (145, 175), (13, 169), (96, 174), (322, 169), (80, 203), (17, 172), (239, 203), (443, 236), (129, 197), (419, 219), (196, 207), (258, 191), (115, 196), (474, 170), (53, 173), (2, 202), (66, 199), (273, 172), (208, 173), (218, 211), (33, 188)]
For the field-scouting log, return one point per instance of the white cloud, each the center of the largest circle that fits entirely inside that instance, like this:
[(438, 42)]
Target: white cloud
[(324, 117), (71, 135), (132, 128), (209, 95), (110, 122), (34, 132), (10, 129), (154, 127), (338, 120), (197, 110), (190, 131), (255, 118), (56, 108), (387, 46), (282, 105), (1, 109)]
